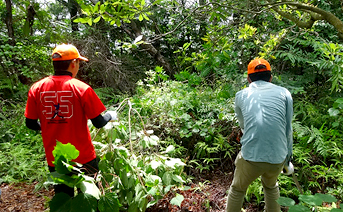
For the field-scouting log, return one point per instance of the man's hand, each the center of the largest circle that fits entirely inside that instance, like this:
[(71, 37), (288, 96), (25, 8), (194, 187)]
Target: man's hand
[(113, 115), (288, 168)]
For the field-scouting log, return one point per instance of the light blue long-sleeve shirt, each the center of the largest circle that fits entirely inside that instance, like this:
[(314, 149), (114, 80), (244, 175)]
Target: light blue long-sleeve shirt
[(265, 112)]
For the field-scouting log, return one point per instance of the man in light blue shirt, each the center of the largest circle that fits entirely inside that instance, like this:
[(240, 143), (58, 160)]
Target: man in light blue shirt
[(264, 112)]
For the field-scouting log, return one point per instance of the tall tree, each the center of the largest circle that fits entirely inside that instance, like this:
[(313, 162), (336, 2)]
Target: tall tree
[(73, 8), (9, 22)]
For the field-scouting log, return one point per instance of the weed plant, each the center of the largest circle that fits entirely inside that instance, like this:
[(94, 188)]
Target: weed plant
[(22, 155), (197, 120)]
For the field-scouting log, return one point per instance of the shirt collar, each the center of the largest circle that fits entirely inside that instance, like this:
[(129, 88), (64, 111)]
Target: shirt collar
[(62, 73), (259, 83)]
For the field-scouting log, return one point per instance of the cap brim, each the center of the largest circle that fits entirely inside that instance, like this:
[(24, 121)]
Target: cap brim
[(83, 58)]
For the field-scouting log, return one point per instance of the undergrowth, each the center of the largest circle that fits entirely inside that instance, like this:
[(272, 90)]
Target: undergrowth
[(22, 155), (195, 124)]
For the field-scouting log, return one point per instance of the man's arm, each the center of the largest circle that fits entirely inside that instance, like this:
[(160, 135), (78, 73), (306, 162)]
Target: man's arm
[(289, 130), (238, 113), (33, 124), (101, 121)]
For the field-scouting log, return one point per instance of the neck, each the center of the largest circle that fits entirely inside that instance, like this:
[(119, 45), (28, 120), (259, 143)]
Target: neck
[(62, 73)]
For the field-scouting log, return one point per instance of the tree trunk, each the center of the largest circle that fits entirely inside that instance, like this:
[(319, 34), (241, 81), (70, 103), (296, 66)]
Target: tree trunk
[(9, 22), (73, 8), (151, 49)]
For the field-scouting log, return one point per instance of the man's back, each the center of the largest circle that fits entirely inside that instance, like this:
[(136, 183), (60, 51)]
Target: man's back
[(265, 112)]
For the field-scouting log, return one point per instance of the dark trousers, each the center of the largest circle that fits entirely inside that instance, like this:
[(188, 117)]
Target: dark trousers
[(90, 169)]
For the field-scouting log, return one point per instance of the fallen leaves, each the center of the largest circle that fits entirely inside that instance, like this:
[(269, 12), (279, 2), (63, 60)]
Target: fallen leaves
[(21, 197)]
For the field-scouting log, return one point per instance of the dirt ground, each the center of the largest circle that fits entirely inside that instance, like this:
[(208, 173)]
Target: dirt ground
[(208, 194), (21, 197)]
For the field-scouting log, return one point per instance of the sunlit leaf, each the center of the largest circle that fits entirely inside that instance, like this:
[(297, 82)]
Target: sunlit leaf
[(311, 200), (285, 201), (109, 203), (177, 200), (326, 197)]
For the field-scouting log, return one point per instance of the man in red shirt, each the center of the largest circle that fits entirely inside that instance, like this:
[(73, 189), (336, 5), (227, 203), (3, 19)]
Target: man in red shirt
[(63, 105)]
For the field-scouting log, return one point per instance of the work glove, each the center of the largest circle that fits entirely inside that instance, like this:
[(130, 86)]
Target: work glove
[(288, 168), (113, 115)]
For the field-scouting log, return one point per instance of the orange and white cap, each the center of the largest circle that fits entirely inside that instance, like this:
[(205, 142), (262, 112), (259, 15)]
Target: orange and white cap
[(258, 61), (66, 52)]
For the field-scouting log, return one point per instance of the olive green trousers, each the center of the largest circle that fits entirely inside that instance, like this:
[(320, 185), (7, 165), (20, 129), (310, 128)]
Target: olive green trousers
[(245, 173)]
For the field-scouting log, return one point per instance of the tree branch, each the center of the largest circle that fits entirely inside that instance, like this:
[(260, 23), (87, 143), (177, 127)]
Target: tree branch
[(316, 14)]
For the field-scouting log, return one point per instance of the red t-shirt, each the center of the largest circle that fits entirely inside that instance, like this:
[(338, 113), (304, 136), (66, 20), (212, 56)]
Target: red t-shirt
[(63, 105)]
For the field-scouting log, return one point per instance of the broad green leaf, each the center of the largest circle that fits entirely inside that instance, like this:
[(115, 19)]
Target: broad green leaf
[(177, 200), (90, 22), (326, 197), (170, 148), (67, 150), (140, 18), (298, 208), (145, 17), (109, 203), (139, 38), (154, 139), (61, 202), (78, 20), (96, 20), (85, 203), (151, 203), (333, 112), (336, 210), (96, 7), (167, 188), (178, 179), (285, 201), (123, 178), (167, 178), (153, 191), (155, 164), (311, 200), (88, 187), (153, 180), (133, 207), (70, 181), (60, 166), (335, 124), (174, 162)]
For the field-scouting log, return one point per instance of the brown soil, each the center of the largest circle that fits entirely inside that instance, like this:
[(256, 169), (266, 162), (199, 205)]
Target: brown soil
[(21, 197), (207, 194)]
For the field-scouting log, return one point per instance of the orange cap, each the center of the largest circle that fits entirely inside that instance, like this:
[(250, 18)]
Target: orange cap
[(258, 61), (66, 52)]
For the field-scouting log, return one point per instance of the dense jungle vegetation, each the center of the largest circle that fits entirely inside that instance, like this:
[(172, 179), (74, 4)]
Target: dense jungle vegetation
[(171, 69)]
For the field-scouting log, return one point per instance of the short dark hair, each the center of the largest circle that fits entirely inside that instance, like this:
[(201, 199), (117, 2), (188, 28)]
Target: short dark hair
[(61, 65), (264, 75)]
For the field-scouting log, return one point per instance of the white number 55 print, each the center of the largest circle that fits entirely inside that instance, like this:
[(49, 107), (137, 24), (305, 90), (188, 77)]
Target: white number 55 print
[(57, 104)]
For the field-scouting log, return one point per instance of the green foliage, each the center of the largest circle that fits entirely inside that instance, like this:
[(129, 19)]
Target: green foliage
[(255, 190), (130, 180), (195, 119), (317, 154), (335, 111), (310, 203), (114, 12), (86, 200), (22, 155), (331, 61)]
